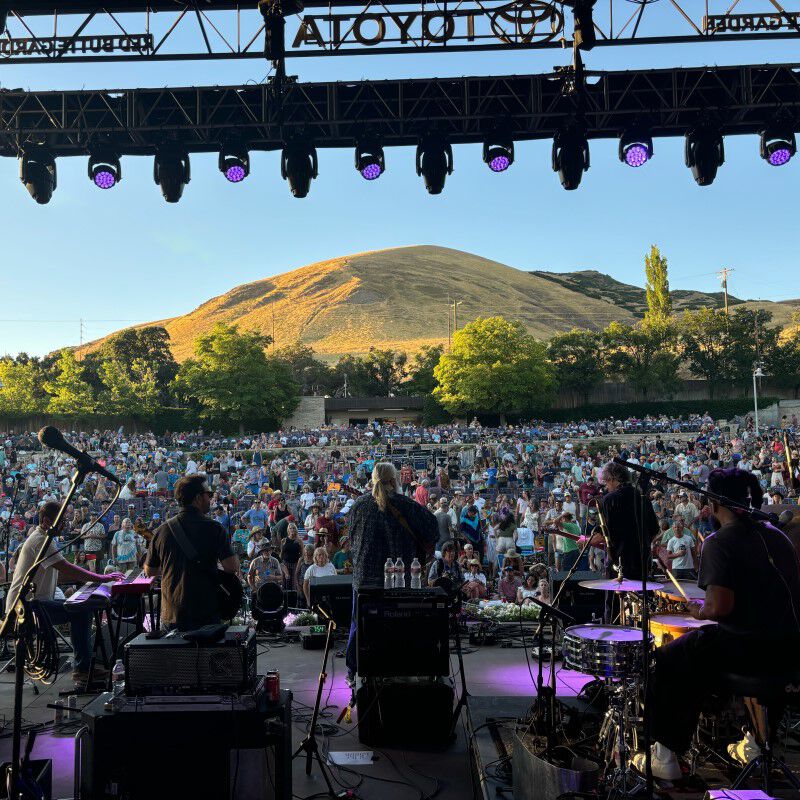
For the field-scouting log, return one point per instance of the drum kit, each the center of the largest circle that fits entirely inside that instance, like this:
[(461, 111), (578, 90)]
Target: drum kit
[(615, 654)]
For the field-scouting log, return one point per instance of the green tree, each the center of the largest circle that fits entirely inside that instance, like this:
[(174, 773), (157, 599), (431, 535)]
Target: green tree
[(21, 386), (379, 373), (578, 359), (70, 391), (230, 378), (130, 389), (150, 345), (724, 348), (313, 376), (494, 366), (786, 361), (644, 355), (421, 380), (659, 302)]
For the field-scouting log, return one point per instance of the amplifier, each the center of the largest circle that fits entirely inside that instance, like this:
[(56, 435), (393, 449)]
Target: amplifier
[(174, 750), (390, 709), (172, 665), (403, 632), (578, 601)]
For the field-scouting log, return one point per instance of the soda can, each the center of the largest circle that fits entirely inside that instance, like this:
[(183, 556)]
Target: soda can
[(58, 715), (273, 686)]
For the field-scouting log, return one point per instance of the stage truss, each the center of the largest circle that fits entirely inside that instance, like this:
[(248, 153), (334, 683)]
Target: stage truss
[(38, 31), (740, 99)]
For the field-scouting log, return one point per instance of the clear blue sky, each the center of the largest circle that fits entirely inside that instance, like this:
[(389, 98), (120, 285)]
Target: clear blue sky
[(127, 256)]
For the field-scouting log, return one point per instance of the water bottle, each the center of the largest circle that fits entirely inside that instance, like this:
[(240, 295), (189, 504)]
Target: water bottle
[(399, 574), (388, 574), (416, 574), (118, 679)]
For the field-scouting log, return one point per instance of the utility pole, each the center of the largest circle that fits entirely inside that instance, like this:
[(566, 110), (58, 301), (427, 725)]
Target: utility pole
[(449, 325), (80, 337), (273, 328), (723, 276), (456, 304)]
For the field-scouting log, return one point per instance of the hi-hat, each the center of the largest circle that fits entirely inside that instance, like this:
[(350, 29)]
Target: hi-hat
[(613, 585)]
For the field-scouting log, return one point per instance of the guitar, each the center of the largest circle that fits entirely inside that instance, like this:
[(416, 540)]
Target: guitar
[(230, 592)]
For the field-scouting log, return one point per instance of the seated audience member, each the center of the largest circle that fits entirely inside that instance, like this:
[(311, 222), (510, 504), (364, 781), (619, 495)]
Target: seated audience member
[(475, 588), (321, 567), (264, 567), (508, 584)]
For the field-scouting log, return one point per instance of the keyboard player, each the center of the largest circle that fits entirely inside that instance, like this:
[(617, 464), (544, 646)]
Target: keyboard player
[(55, 568)]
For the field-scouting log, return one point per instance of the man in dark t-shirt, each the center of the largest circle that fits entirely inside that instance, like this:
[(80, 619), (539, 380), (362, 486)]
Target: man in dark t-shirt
[(188, 589), (751, 577)]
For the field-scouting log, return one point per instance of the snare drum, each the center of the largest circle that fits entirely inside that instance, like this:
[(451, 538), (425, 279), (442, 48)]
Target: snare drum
[(606, 651), (670, 601), (667, 627)]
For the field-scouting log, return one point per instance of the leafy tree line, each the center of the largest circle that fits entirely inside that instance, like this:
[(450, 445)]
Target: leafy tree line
[(493, 366)]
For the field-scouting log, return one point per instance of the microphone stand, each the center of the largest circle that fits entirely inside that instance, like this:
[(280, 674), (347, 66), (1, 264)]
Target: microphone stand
[(19, 617), (4, 653)]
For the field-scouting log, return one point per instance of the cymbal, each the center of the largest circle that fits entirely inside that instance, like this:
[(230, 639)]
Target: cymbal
[(626, 585)]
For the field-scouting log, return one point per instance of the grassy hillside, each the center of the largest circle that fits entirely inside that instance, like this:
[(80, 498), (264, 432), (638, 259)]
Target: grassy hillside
[(399, 298)]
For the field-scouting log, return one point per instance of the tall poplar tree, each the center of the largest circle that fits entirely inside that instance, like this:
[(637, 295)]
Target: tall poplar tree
[(659, 303)]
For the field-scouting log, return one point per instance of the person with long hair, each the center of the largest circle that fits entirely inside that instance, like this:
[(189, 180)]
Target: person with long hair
[(749, 571), (385, 523)]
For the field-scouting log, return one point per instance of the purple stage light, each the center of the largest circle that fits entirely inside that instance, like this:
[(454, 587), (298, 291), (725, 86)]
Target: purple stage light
[(499, 163), (104, 179), (636, 155), (779, 156), (371, 171), (235, 174)]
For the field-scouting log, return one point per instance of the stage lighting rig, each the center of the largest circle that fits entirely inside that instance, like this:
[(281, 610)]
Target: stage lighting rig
[(171, 171), (299, 165), (584, 35), (434, 162), (37, 170), (234, 161), (570, 155), (635, 147), (778, 144), (370, 161), (104, 168), (498, 152), (704, 153)]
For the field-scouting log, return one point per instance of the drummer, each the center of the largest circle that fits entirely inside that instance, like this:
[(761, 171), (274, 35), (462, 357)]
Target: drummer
[(749, 572)]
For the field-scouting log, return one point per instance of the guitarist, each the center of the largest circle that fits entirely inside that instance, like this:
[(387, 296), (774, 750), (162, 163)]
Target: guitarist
[(189, 579), (385, 524)]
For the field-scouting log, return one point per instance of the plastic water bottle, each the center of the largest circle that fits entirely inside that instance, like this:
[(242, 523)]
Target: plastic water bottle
[(388, 574), (416, 574), (399, 574), (118, 679)]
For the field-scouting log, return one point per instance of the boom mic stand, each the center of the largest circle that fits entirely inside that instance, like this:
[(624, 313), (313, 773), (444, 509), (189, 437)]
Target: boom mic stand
[(20, 618), (4, 652), (309, 745)]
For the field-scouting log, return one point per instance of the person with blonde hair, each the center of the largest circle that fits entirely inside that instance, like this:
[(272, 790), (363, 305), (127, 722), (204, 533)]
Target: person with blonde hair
[(385, 524)]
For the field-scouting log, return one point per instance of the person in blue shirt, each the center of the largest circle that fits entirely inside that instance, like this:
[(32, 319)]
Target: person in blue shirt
[(256, 516)]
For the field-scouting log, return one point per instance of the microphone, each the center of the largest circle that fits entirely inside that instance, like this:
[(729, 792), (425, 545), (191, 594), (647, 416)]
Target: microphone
[(53, 438)]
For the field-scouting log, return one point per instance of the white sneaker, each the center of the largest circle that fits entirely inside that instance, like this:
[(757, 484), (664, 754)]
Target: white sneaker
[(744, 751), (663, 763)]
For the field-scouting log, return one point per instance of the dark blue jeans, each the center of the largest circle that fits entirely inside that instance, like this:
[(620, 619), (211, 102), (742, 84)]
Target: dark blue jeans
[(80, 629), (351, 653)]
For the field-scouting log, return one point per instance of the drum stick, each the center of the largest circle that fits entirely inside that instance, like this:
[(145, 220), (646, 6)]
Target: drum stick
[(677, 585)]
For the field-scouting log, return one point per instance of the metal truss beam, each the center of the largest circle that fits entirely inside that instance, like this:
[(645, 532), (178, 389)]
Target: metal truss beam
[(57, 31), (739, 98)]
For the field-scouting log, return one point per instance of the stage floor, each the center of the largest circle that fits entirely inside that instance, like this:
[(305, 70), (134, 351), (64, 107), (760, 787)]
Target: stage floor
[(500, 681)]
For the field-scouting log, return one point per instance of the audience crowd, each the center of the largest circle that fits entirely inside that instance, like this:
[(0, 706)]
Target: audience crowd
[(509, 502)]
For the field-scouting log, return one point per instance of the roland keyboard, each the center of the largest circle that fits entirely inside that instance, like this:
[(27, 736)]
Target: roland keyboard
[(99, 595)]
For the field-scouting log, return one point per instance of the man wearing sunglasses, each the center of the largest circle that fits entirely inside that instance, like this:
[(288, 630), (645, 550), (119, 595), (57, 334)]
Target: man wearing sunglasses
[(185, 553)]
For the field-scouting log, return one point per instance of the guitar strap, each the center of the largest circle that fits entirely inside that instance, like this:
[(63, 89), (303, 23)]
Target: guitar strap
[(178, 531), (398, 515)]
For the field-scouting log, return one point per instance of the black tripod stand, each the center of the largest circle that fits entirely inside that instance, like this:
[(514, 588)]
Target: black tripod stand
[(309, 745)]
